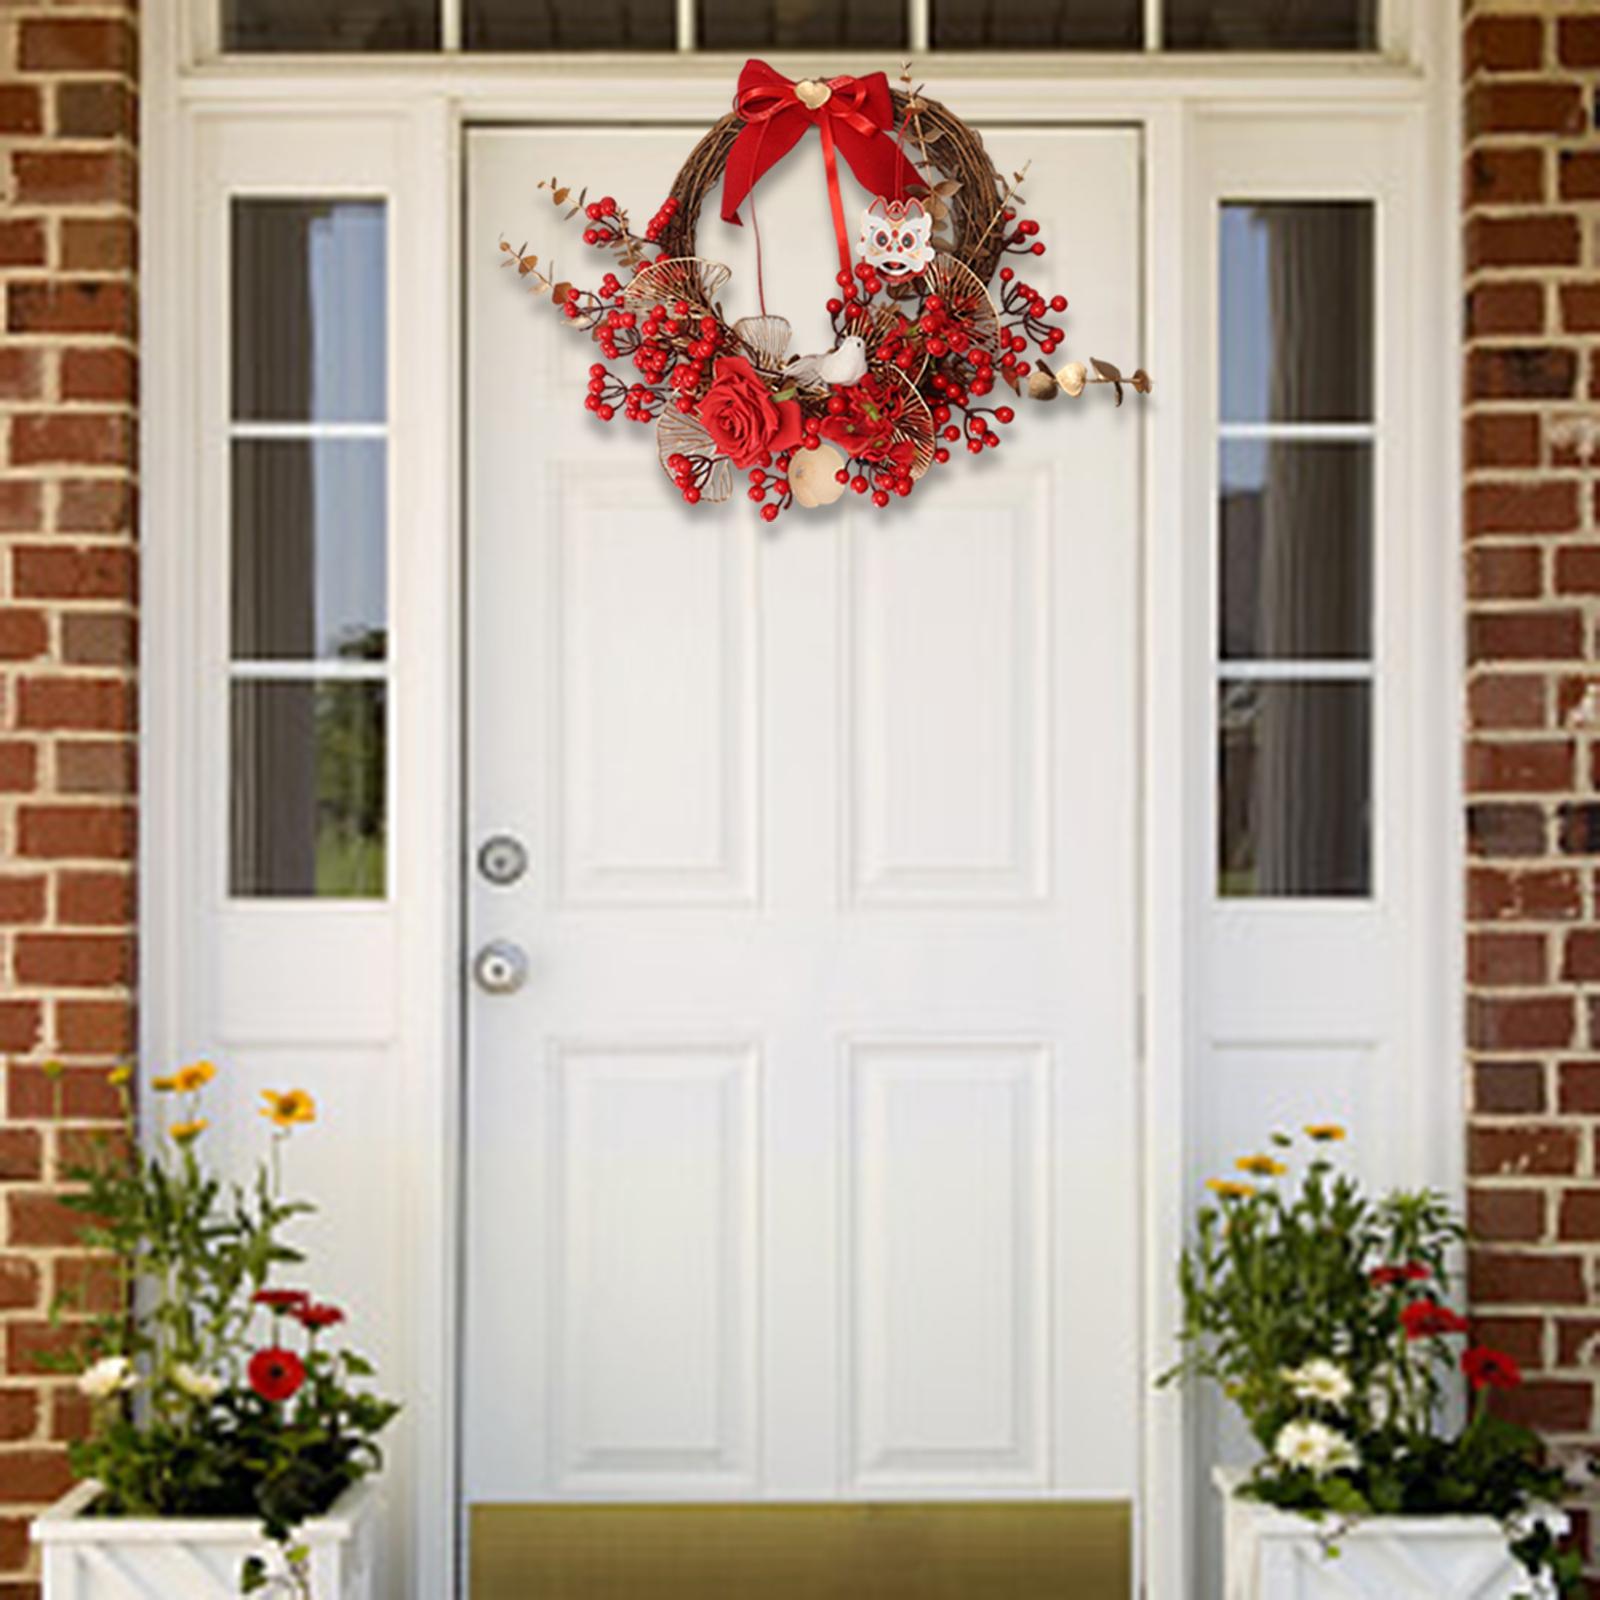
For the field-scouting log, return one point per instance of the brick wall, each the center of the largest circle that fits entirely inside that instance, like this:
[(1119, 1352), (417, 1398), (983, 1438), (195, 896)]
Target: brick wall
[(67, 698), (1532, 510)]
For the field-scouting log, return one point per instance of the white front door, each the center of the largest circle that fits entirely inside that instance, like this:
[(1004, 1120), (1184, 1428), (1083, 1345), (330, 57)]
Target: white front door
[(805, 1163)]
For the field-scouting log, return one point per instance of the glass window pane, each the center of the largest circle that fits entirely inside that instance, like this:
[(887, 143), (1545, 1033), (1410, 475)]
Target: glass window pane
[(1294, 788), (308, 789), (1296, 549), (570, 25), (1271, 24), (1297, 311), (799, 24), (309, 311), (310, 520), (364, 25), (1038, 24)]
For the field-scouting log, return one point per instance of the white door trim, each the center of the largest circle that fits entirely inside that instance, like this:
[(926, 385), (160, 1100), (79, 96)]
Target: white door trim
[(429, 101)]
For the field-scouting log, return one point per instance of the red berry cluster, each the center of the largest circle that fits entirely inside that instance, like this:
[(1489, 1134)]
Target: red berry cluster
[(664, 214), (602, 212), (1025, 306), (1022, 240), (606, 393), (763, 483)]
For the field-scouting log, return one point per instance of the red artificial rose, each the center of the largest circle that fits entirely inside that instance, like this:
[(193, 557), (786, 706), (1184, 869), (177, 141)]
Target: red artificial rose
[(1423, 1319), (1490, 1369), (744, 421), (280, 1300), (1411, 1272), (316, 1315), (867, 419), (276, 1374)]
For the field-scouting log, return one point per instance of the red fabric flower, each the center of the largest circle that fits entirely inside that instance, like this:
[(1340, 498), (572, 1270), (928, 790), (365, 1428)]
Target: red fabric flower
[(1490, 1369), (1411, 1272), (276, 1374), (1424, 1319), (279, 1300), (315, 1315), (743, 419), (866, 425)]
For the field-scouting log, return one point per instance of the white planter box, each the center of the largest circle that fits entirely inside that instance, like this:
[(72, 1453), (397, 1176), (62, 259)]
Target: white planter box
[(196, 1558), (1276, 1555)]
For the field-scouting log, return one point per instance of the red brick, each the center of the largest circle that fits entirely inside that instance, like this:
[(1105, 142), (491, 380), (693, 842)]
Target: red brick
[(1519, 766), (35, 1477), (95, 505), (85, 1284), (1522, 372), (76, 1092), (22, 900), (1504, 44), (96, 766), (98, 244), (1523, 1151), (95, 899), (38, 1218), (107, 374), (21, 109), (19, 767), (1495, 831), (1505, 1277), (81, 960), (32, 1346), (1578, 41), (88, 573), (92, 704), (1506, 1216), (70, 1414), (1578, 1089), (1505, 572), (99, 832), (1535, 894), (1580, 957), (1505, 700), (1533, 239), (1522, 1338), (22, 242), (101, 439), (19, 1413), (21, 1155), (99, 638), (95, 1027), (1578, 827), (1539, 507), (1502, 439), (19, 1282), (14, 1543), (1505, 175), (72, 177), (24, 633), (21, 374), (1547, 1405), (1499, 1022), (20, 1022), (60, 45), (1525, 108), (1579, 172), (20, 505), (1506, 960), (1580, 1214), (1578, 569), (1549, 634), (103, 109)]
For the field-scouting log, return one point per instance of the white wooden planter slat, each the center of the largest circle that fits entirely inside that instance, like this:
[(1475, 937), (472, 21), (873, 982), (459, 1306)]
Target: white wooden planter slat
[(1276, 1555), (195, 1558)]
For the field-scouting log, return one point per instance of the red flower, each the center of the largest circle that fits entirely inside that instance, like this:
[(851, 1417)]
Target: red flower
[(744, 421), (279, 1300), (1423, 1319), (1490, 1369), (315, 1315), (1411, 1272), (865, 424), (276, 1374)]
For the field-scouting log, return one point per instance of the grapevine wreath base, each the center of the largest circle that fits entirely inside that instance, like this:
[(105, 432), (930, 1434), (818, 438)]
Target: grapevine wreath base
[(926, 324)]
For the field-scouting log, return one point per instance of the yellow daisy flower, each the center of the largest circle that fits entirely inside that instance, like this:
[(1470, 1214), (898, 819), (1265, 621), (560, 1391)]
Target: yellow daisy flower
[(193, 1077), (1261, 1166), (293, 1105), (183, 1132), (1230, 1188), (118, 1076), (1325, 1132)]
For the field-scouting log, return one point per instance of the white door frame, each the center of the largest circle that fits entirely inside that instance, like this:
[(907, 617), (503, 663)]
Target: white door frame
[(422, 106)]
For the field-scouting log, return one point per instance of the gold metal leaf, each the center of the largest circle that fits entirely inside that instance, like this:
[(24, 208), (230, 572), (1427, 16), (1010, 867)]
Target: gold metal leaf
[(881, 327), (915, 424), (681, 278), (678, 434), (766, 341), (1042, 383), (967, 297)]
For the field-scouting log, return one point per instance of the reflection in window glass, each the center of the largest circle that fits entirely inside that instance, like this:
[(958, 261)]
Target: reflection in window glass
[(1296, 549), (1294, 786), (309, 311), (570, 24), (1271, 24), (1038, 24), (287, 26), (800, 24), (308, 785), (310, 519), (1297, 312)]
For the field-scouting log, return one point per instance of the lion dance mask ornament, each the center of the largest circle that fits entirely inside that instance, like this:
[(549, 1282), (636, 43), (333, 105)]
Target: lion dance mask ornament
[(931, 319)]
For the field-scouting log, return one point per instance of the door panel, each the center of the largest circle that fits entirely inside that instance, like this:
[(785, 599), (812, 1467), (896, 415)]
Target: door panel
[(805, 1163)]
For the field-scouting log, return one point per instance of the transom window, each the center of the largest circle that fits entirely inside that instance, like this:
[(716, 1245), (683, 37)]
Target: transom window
[(292, 26)]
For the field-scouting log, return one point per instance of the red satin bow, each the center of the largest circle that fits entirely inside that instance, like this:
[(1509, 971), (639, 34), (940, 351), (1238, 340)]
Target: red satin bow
[(856, 117)]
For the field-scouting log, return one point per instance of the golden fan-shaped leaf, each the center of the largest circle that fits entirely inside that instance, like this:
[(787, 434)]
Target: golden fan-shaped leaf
[(882, 327), (915, 424), (766, 340), (965, 296), (681, 435), (681, 278)]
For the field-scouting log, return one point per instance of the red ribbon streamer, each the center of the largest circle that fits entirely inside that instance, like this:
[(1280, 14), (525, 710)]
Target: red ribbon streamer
[(854, 121)]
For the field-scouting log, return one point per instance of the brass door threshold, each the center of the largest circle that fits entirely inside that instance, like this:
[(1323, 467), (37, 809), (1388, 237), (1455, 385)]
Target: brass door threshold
[(949, 1550)]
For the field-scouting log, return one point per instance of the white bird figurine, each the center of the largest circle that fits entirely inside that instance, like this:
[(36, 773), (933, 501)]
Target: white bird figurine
[(845, 365)]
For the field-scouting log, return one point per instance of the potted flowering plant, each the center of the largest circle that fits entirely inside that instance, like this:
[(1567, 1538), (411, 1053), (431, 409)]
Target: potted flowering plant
[(230, 1434), (1324, 1316)]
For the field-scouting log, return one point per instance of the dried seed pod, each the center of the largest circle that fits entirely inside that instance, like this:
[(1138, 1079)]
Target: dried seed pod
[(813, 476)]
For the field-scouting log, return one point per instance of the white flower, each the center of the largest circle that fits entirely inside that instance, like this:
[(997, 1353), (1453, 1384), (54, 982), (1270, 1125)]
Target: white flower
[(200, 1385), (1316, 1447), (1321, 1380), (106, 1377)]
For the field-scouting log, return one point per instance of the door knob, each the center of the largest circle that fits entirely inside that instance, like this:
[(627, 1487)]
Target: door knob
[(502, 859), (500, 967)]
